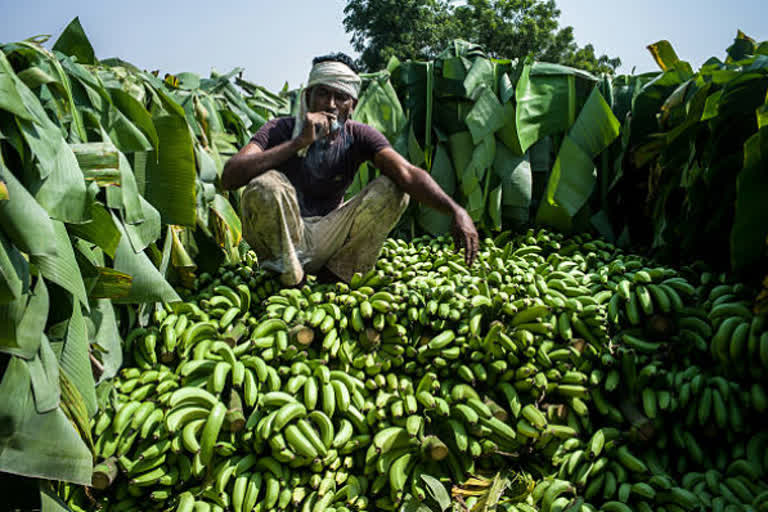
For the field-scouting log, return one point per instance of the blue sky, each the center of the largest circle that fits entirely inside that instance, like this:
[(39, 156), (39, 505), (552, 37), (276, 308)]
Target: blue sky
[(275, 40)]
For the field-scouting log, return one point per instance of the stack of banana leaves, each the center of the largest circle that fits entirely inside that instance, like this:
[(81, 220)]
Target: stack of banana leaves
[(107, 193), (520, 141), (694, 152), (556, 374), (491, 130)]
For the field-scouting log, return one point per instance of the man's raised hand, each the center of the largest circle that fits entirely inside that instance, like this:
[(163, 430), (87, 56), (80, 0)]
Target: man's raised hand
[(316, 126)]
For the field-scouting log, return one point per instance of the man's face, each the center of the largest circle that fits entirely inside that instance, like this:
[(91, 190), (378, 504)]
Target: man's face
[(323, 98)]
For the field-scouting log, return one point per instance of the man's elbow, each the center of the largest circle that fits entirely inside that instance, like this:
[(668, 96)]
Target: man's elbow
[(405, 176), (227, 176)]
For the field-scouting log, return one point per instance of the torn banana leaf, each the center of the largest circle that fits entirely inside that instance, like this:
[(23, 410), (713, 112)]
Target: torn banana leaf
[(33, 444)]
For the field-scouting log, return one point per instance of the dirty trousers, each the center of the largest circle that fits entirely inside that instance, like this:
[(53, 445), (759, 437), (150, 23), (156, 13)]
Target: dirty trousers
[(345, 241)]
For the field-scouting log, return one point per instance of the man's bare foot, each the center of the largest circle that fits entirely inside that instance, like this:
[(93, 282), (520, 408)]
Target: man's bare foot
[(293, 279)]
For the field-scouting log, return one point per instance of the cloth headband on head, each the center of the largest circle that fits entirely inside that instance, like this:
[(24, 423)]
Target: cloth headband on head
[(337, 75)]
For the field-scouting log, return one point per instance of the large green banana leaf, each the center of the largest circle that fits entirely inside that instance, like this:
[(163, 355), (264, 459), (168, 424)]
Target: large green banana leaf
[(442, 172), (101, 230), (148, 285), (75, 359), (73, 41), (33, 444), (107, 339), (62, 268), (574, 174), (548, 98), (749, 235), (379, 107), (14, 275), (24, 221), (171, 174)]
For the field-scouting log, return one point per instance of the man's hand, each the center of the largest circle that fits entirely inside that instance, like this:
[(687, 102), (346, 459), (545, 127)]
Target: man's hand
[(316, 126), (465, 235)]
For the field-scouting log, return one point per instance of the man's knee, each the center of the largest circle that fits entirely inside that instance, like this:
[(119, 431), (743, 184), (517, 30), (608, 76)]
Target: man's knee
[(265, 188), (386, 191)]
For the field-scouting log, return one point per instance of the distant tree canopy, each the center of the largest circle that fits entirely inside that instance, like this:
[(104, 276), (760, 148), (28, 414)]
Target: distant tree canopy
[(420, 29)]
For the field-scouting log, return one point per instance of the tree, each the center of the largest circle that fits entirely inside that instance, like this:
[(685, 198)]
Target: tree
[(420, 29), (407, 29)]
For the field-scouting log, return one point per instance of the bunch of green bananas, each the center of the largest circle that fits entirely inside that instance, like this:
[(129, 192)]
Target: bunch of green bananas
[(587, 369)]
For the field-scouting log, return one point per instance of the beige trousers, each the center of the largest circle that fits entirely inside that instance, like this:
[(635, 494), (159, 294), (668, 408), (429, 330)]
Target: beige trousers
[(347, 240)]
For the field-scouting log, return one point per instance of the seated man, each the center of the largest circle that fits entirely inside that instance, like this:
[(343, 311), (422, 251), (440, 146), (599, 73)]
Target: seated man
[(296, 171)]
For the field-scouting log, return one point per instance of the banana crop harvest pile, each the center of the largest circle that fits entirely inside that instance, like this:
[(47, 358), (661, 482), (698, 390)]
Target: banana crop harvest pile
[(603, 381)]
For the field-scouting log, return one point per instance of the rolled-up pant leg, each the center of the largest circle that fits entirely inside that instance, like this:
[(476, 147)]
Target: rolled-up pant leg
[(349, 239), (273, 227)]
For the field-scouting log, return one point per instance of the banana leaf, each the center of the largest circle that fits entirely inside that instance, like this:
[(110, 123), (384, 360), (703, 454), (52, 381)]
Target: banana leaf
[(416, 154), (96, 155), (170, 178), (74, 42), (486, 116), (101, 230), (44, 374), (148, 285), (50, 501), (142, 234), (743, 46), (480, 75), (648, 101), (10, 99), (574, 174), (75, 359), (30, 328), (33, 444), (750, 231), (178, 256), (229, 217), (110, 284), (431, 220), (494, 206), (108, 339), (380, 108), (62, 269), (24, 221), (548, 99), (516, 184), (666, 57), (208, 169), (37, 56), (14, 277), (461, 147), (135, 112), (126, 197), (508, 131), (56, 181)]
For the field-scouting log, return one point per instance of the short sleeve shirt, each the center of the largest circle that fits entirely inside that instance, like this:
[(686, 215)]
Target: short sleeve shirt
[(322, 177)]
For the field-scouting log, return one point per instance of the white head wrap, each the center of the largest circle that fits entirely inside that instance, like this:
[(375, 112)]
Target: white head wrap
[(332, 74)]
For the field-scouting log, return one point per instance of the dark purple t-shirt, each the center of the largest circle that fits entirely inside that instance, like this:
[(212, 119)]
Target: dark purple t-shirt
[(325, 173)]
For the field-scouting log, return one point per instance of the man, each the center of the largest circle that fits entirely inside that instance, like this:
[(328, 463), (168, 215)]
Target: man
[(296, 171)]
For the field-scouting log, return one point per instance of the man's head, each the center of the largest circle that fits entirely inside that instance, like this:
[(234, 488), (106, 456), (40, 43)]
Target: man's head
[(333, 85)]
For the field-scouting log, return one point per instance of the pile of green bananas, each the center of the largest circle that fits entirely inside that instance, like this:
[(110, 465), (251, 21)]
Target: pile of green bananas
[(607, 381)]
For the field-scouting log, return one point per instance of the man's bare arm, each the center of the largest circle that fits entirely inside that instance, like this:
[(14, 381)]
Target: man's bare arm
[(421, 187), (252, 161)]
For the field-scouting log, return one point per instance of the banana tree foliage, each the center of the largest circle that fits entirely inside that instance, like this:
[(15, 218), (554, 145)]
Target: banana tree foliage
[(693, 157), (107, 173), (637, 158), (475, 124)]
